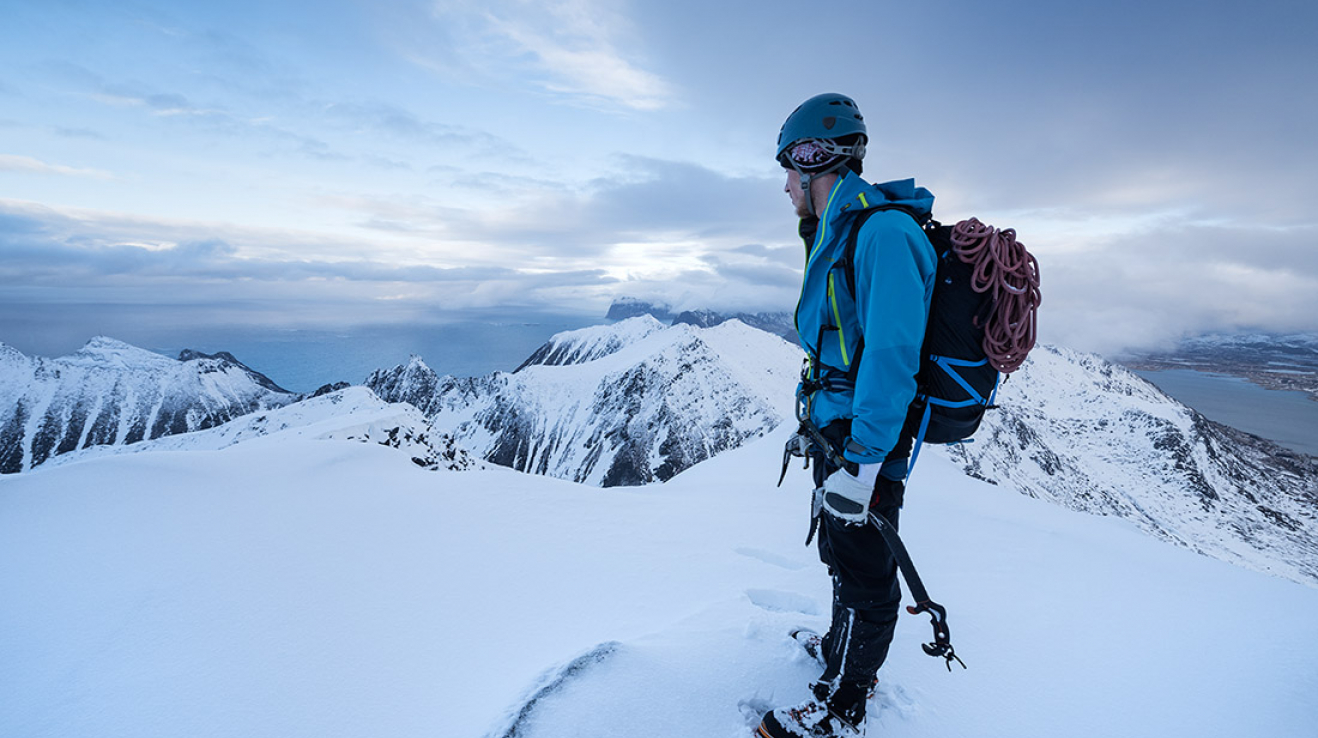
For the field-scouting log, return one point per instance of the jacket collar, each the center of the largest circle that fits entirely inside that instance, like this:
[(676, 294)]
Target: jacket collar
[(851, 194)]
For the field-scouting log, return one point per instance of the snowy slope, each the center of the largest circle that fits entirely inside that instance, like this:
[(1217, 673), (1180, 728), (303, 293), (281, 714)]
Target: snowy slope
[(1082, 432), (353, 414), (614, 405), (327, 588), (593, 342), (111, 393), (643, 402)]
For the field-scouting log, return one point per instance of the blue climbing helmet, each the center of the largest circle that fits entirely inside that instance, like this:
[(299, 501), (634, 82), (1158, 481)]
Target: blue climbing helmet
[(822, 134)]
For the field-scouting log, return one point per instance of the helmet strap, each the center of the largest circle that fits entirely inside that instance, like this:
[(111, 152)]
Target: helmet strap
[(808, 177)]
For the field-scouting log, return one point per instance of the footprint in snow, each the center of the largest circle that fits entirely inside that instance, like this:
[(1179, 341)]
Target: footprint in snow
[(775, 600), (753, 709), (894, 699), (771, 558)]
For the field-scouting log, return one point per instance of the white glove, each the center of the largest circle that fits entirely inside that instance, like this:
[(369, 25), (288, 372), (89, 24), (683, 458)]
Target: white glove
[(847, 497)]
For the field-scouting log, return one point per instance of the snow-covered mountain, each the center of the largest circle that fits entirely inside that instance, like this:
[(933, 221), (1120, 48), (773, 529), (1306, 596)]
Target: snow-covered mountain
[(637, 402), (595, 342), (110, 393), (348, 413), (781, 324), (1093, 436), (625, 404), (292, 586)]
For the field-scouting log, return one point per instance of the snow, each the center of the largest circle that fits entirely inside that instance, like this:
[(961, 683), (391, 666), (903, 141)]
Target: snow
[(594, 342), (103, 352), (296, 585), (351, 413), (1081, 432)]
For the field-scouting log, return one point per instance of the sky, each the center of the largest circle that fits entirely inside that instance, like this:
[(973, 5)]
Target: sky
[(184, 165)]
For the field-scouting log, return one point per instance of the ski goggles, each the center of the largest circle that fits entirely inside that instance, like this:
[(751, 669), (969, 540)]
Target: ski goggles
[(814, 155), (806, 156)]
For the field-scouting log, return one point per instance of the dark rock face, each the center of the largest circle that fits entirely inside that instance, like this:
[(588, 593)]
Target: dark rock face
[(112, 393), (326, 389), (630, 307)]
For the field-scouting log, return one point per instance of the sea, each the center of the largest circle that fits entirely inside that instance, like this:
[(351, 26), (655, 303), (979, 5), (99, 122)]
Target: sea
[(1288, 418)]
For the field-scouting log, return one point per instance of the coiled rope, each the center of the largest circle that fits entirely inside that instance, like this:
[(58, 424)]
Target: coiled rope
[(1002, 264)]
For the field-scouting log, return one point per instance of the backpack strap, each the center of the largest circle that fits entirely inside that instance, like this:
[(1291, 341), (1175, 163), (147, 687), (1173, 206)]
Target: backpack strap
[(848, 262), (975, 399)]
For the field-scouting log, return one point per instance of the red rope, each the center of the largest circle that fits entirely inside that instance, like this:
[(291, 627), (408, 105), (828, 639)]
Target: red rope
[(1004, 266)]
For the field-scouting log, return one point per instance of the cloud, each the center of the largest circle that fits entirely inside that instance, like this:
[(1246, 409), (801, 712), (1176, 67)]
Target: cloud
[(659, 228), (400, 123), (372, 132), (27, 164), (654, 226), (52, 257), (663, 204), (571, 48), (84, 133), (1151, 287)]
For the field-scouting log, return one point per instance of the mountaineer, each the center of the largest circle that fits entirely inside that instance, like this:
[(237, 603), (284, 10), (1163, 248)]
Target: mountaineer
[(861, 319)]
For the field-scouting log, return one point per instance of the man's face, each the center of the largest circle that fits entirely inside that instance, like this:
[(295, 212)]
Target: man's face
[(793, 190)]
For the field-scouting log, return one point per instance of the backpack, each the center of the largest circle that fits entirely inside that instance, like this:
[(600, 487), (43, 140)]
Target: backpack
[(957, 381)]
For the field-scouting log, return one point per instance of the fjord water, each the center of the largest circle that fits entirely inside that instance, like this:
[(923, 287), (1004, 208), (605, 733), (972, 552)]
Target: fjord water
[(1288, 418)]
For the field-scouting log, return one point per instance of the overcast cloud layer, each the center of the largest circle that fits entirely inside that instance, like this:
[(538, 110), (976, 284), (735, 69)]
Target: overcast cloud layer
[(333, 163)]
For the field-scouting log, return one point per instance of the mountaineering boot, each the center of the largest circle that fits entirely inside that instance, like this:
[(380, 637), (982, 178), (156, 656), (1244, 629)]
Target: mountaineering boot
[(822, 716)]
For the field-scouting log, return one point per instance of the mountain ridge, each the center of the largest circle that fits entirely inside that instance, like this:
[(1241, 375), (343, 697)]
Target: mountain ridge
[(1091, 435), (626, 404), (109, 392), (637, 403)]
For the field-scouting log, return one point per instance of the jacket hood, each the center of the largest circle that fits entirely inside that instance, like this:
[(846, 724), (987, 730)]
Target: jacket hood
[(904, 192)]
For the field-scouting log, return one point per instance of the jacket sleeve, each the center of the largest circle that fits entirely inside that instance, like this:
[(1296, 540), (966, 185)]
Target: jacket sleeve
[(895, 267)]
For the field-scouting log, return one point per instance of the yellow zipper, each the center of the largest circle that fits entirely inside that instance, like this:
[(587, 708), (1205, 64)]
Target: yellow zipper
[(837, 318), (821, 236)]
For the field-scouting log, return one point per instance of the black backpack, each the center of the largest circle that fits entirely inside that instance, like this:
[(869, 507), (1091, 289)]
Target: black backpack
[(955, 383)]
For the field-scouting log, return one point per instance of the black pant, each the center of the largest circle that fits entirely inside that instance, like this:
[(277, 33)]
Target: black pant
[(863, 568), (866, 593)]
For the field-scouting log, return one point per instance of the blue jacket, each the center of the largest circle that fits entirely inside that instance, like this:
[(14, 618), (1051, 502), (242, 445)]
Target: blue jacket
[(894, 277)]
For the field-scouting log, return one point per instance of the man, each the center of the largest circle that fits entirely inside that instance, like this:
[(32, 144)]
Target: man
[(861, 324)]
